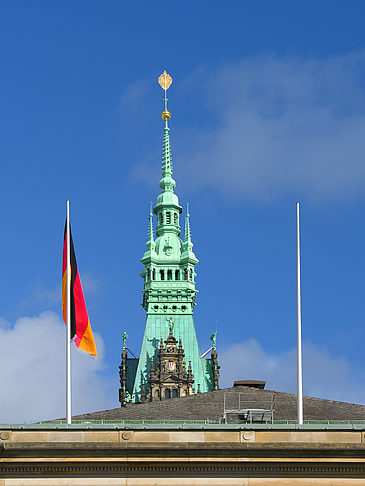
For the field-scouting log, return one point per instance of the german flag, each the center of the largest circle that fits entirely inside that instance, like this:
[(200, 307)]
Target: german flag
[(80, 325)]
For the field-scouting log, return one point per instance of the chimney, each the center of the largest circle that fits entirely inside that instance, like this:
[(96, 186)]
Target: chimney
[(251, 383)]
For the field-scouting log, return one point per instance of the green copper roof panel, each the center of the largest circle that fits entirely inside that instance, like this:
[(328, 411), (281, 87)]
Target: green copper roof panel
[(132, 364), (157, 326), (207, 366)]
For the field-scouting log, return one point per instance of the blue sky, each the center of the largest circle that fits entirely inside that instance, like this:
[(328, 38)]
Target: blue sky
[(268, 108)]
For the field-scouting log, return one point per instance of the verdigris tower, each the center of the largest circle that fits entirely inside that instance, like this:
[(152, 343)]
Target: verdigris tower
[(169, 285)]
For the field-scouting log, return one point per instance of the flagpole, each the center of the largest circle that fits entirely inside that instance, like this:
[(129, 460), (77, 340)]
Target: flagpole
[(299, 332), (68, 325)]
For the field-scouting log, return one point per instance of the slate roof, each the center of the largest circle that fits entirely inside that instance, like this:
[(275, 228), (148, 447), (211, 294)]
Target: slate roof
[(210, 406)]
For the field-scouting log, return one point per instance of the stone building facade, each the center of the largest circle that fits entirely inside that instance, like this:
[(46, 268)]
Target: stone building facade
[(140, 454)]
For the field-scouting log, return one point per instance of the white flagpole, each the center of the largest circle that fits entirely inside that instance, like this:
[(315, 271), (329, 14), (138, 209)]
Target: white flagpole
[(299, 332), (68, 326)]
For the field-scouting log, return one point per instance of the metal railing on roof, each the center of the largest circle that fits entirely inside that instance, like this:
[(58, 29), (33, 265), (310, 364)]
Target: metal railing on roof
[(167, 422), (236, 403), (131, 421)]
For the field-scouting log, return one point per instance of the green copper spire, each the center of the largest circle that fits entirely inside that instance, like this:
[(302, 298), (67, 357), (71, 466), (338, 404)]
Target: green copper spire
[(167, 208), (169, 282), (167, 183)]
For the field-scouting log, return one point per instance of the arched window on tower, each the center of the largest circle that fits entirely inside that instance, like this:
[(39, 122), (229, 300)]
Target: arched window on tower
[(162, 275), (161, 218), (168, 217), (169, 274), (177, 275), (148, 274), (175, 218), (191, 274), (154, 274), (185, 273)]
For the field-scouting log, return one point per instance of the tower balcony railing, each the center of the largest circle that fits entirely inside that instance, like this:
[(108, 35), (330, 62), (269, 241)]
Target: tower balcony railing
[(169, 284)]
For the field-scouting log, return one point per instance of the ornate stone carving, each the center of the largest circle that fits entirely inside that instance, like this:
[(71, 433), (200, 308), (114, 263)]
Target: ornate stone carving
[(170, 378), (215, 369), (123, 393)]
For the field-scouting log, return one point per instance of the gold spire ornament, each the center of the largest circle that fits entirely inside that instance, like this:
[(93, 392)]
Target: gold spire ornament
[(166, 115), (165, 81)]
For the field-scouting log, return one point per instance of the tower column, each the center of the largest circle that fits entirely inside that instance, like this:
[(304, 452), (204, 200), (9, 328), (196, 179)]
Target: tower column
[(169, 286)]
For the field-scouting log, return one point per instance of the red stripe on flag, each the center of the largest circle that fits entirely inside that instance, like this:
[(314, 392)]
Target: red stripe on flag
[(80, 324), (82, 319)]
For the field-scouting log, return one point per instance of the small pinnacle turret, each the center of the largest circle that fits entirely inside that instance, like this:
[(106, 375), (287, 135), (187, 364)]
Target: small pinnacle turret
[(150, 242), (188, 245), (188, 253), (187, 225)]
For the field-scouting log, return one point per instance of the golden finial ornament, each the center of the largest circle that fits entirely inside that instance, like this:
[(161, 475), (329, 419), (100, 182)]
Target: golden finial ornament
[(166, 115), (165, 81)]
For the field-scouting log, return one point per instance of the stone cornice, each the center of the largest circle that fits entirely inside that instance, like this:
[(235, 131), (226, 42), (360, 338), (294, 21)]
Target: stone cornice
[(177, 450), (218, 469)]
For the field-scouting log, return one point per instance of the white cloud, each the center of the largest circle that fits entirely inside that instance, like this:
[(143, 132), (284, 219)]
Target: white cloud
[(32, 375), (324, 375), (277, 126), (32, 378)]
